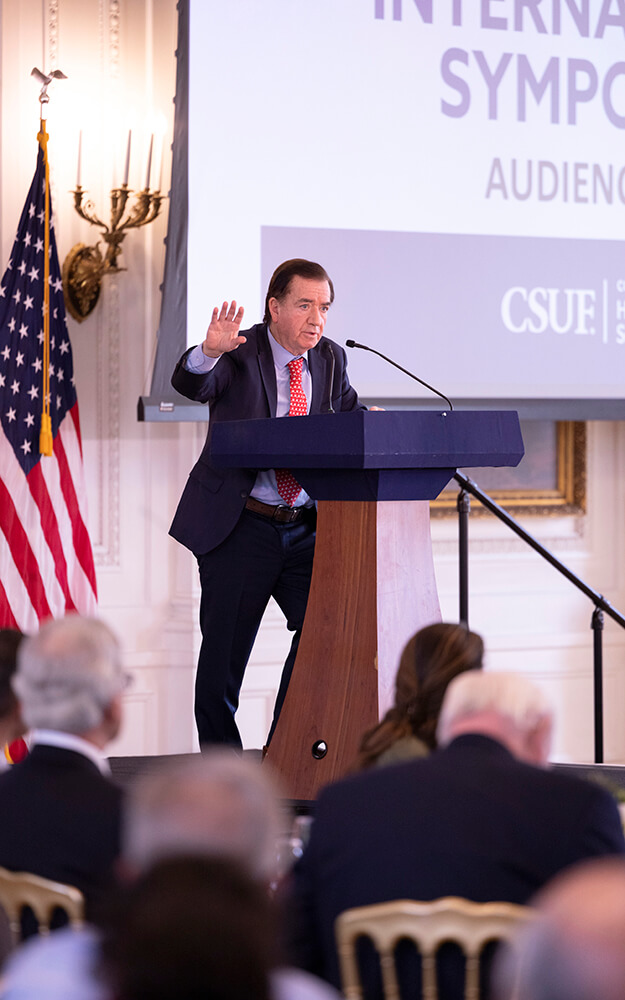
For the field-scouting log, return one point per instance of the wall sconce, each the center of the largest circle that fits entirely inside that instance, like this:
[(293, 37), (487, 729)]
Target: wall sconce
[(84, 266)]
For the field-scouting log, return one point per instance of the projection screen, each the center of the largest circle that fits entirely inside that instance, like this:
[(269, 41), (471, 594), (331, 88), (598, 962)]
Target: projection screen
[(458, 166)]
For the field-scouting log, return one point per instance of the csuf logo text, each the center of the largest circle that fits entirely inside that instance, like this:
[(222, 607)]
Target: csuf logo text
[(560, 310)]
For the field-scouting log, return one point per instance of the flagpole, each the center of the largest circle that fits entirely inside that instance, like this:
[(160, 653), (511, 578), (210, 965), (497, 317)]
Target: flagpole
[(45, 434)]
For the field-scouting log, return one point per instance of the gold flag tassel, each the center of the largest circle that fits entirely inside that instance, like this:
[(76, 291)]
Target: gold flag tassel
[(45, 434)]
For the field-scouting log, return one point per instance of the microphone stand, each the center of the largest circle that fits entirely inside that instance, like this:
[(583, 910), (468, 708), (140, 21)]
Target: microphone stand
[(333, 359), (363, 347)]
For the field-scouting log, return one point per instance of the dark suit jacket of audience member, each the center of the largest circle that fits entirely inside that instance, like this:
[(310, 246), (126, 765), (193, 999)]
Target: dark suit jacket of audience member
[(470, 820), (60, 818)]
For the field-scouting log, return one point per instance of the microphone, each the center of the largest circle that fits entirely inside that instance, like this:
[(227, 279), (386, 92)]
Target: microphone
[(333, 358), (363, 347)]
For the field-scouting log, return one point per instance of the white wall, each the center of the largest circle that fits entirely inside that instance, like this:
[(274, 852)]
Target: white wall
[(119, 55)]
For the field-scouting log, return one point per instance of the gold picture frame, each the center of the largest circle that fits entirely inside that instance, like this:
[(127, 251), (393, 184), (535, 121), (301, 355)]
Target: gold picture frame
[(549, 481)]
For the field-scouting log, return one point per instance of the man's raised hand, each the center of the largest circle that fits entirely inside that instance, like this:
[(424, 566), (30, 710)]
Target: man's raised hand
[(222, 335)]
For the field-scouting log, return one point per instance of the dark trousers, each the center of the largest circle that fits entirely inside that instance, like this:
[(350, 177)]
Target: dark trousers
[(260, 559)]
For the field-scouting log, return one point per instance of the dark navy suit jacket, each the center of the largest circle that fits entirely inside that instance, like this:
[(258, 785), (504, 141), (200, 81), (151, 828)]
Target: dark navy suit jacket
[(470, 821), (60, 818), (243, 387)]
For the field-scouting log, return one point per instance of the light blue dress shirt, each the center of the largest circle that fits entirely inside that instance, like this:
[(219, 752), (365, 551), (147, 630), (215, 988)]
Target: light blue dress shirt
[(265, 488)]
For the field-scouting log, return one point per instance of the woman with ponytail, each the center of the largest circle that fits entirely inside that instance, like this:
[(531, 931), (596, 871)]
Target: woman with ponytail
[(430, 660)]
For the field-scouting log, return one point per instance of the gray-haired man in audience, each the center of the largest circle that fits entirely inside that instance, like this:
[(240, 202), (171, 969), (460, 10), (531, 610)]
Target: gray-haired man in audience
[(61, 812), (481, 817), (213, 804)]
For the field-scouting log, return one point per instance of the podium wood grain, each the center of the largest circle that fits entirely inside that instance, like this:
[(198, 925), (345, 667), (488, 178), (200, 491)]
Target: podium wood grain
[(372, 587)]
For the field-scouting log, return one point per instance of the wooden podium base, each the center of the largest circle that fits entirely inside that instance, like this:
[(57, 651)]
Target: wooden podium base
[(372, 587)]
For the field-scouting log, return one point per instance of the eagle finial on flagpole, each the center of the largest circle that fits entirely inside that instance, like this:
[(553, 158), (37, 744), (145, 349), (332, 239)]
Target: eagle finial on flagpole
[(56, 74)]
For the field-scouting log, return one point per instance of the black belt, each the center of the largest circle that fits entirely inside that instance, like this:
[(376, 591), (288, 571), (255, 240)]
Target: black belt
[(276, 512)]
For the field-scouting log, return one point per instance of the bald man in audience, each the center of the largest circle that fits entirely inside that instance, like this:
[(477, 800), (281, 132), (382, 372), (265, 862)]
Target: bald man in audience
[(213, 805), (61, 811), (481, 817), (575, 950)]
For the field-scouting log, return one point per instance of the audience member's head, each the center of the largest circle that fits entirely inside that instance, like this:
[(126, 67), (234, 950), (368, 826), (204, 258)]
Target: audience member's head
[(194, 928), (575, 950), (430, 660), (504, 706), (11, 724), (70, 679), (213, 804)]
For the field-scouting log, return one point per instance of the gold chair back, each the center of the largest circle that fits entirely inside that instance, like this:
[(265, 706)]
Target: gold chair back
[(21, 889), (430, 924)]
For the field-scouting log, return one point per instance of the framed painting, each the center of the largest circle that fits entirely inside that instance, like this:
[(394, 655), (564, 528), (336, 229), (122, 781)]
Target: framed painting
[(549, 480)]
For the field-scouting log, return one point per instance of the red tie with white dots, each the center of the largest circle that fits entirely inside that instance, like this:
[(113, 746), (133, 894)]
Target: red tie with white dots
[(288, 487)]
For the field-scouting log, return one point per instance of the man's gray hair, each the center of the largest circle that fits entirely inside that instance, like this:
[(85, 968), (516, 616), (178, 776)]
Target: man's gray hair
[(508, 694), (214, 803), (68, 674)]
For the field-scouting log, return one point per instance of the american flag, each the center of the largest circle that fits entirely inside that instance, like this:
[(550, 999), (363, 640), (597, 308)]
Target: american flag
[(46, 562)]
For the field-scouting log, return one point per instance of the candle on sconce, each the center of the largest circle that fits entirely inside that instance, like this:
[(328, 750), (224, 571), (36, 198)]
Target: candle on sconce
[(78, 169), (127, 167), (161, 146), (147, 176), (160, 172)]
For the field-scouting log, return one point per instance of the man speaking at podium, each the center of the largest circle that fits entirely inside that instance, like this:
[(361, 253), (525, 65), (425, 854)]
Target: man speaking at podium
[(253, 531)]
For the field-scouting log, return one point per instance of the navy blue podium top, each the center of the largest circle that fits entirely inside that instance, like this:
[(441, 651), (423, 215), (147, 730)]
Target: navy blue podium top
[(372, 455)]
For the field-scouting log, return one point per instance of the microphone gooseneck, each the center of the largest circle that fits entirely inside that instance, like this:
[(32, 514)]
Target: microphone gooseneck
[(333, 359), (363, 347)]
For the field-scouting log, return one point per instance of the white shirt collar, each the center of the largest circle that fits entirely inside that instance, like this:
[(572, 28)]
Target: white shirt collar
[(69, 741)]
